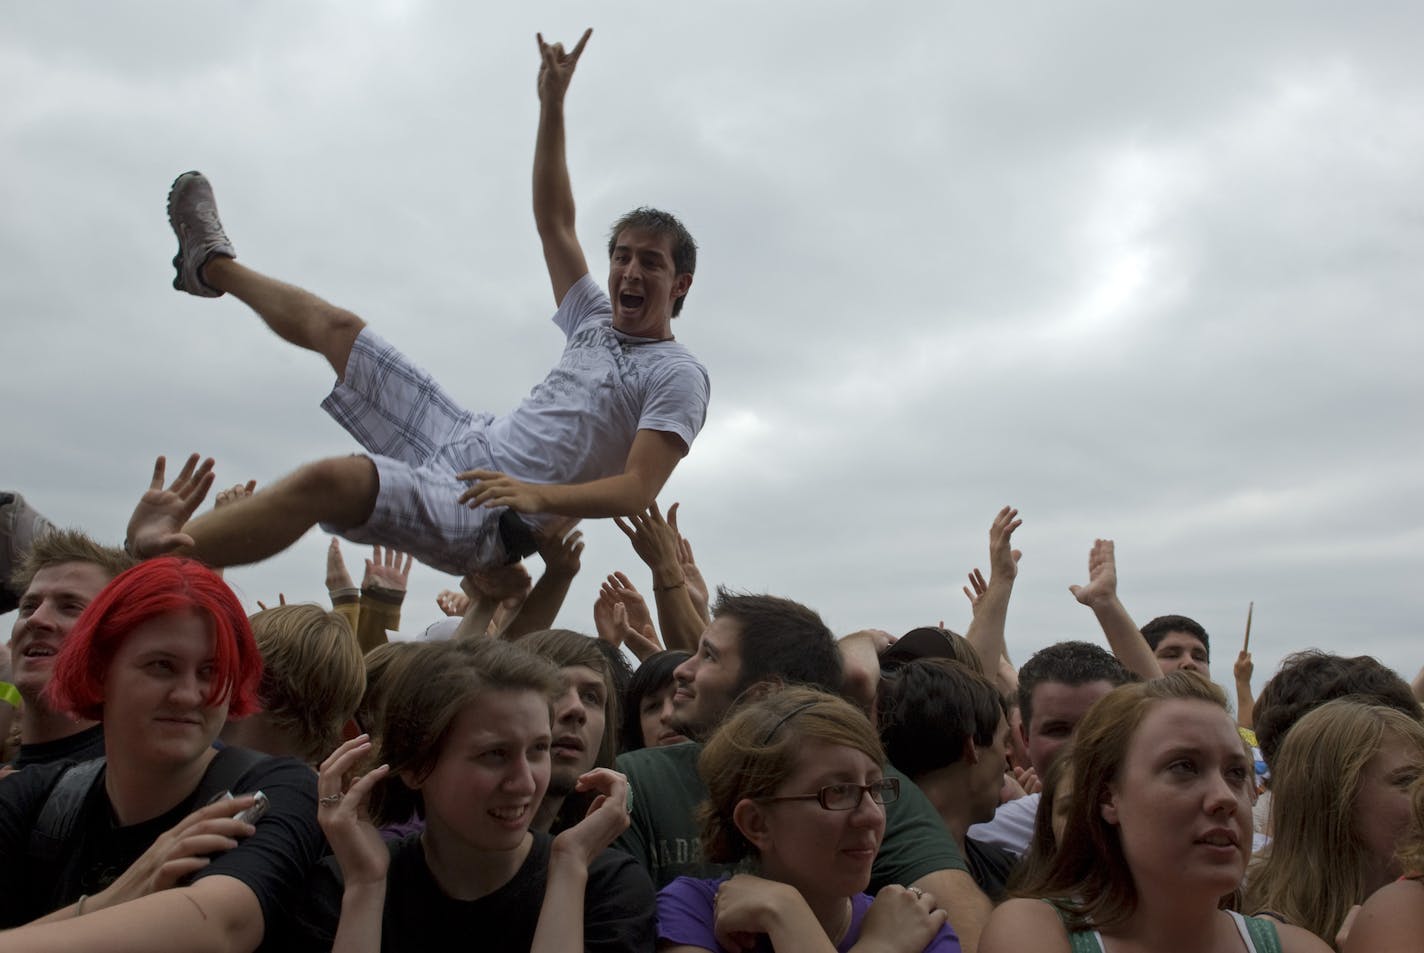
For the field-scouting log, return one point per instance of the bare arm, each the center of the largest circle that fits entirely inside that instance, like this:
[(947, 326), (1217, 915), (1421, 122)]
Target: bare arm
[(650, 462), (655, 542), (991, 609), (961, 898), (561, 564), (553, 194), (1100, 595), (1245, 702), (218, 914)]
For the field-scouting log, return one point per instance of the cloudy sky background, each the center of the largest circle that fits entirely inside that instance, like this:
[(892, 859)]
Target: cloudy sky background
[(1145, 271)]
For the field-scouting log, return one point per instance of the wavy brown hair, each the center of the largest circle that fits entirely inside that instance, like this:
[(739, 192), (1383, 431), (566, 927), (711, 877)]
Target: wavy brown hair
[(757, 748)]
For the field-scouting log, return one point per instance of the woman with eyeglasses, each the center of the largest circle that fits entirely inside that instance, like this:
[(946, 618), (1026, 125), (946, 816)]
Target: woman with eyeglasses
[(796, 796)]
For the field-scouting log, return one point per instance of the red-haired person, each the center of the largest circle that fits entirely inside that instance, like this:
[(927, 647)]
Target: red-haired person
[(127, 853)]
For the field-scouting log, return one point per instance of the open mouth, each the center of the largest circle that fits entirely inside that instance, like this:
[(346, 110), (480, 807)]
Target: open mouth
[(568, 747), (40, 651), (1219, 839), (630, 302), (511, 816)]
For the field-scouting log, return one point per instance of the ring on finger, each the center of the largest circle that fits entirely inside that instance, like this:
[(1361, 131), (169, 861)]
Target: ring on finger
[(330, 799), (919, 894)]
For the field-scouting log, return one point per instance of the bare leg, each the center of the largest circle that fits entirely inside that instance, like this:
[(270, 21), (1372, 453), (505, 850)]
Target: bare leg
[(341, 491), (296, 315)]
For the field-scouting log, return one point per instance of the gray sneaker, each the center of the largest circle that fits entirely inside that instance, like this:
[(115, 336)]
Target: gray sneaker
[(193, 213)]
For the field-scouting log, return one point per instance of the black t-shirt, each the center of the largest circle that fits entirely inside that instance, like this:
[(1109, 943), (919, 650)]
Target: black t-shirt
[(990, 866), (419, 917), (273, 863), (81, 746)]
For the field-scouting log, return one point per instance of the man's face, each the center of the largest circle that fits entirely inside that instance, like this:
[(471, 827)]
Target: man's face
[(1055, 710), (643, 284), (579, 716), (1182, 651), (707, 683), (48, 610), (987, 774)]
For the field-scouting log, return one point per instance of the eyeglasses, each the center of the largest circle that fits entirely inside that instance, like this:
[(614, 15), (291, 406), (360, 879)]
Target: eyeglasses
[(846, 796)]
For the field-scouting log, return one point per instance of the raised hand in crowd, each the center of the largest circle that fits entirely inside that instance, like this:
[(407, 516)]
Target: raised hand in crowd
[(1100, 595), (234, 493), (561, 551), (1245, 701), (496, 596), (991, 602), (387, 569), (656, 544), (452, 603), (860, 661), (155, 528), (281, 601), (338, 577), (696, 585), (344, 814), (618, 623)]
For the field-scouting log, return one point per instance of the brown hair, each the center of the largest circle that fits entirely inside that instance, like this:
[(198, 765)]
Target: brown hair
[(1089, 880), (61, 546), (428, 693), (1043, 845), (1315, 867), (382, 664), (565, 647), (312, 675), (757, 748)]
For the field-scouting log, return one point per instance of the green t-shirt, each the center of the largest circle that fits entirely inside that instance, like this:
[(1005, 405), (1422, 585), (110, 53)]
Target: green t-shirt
[(664, 834)]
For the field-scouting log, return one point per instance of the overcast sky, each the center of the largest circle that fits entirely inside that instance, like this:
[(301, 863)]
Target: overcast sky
[(1145, 271)]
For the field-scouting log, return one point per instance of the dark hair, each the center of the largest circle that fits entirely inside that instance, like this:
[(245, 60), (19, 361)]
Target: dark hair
[(1306, 680), (781, 641), (928, 708), (151, 589), (1156, 630), (1071, 663), (652, 676), (1037, 860), (427, 692), (684, 249), (382, 664)]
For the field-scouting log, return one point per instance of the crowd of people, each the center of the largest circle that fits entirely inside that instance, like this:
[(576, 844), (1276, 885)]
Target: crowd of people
[(702, 770)]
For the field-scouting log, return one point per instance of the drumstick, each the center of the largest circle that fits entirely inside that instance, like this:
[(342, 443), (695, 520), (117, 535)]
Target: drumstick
[(1249, 609)]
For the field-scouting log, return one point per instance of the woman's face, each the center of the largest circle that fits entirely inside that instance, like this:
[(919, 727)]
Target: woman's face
[(155, 693), (492, 772), (1382, 805), (1182, 798), (817, 851), (655, 714)]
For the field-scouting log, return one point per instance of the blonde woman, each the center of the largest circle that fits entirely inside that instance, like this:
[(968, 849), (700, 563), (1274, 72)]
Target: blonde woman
[(1392, 920), (1339, 809)]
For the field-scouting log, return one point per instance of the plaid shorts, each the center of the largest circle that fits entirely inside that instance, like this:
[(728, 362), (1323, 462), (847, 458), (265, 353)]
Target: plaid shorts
[(418, 438)]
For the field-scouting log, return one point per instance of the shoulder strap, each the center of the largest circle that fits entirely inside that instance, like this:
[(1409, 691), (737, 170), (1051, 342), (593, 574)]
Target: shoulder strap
[(228, 767), (61, 811), (1079, 941), (1264, 937)]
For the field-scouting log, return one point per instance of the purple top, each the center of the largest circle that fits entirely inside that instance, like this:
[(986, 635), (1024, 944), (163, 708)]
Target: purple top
[(685, 917)]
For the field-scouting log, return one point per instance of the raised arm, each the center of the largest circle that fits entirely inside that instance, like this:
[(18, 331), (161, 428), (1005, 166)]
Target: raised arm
[(1100, 594), (991, 608), (655, 542), (553, 194)]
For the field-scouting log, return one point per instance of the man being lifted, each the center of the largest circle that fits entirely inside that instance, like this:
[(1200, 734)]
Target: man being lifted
[(597, 438)]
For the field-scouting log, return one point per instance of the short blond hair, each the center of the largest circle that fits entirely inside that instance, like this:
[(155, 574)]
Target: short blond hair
[(313, 675)]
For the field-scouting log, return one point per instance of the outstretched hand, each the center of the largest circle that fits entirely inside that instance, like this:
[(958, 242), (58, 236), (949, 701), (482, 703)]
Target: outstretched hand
[(1102, 576), (155, 528), (556, 68), (655, 542), (388, 569), (337, 576), (1003, 560), (1243, 668), (696, 585)]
